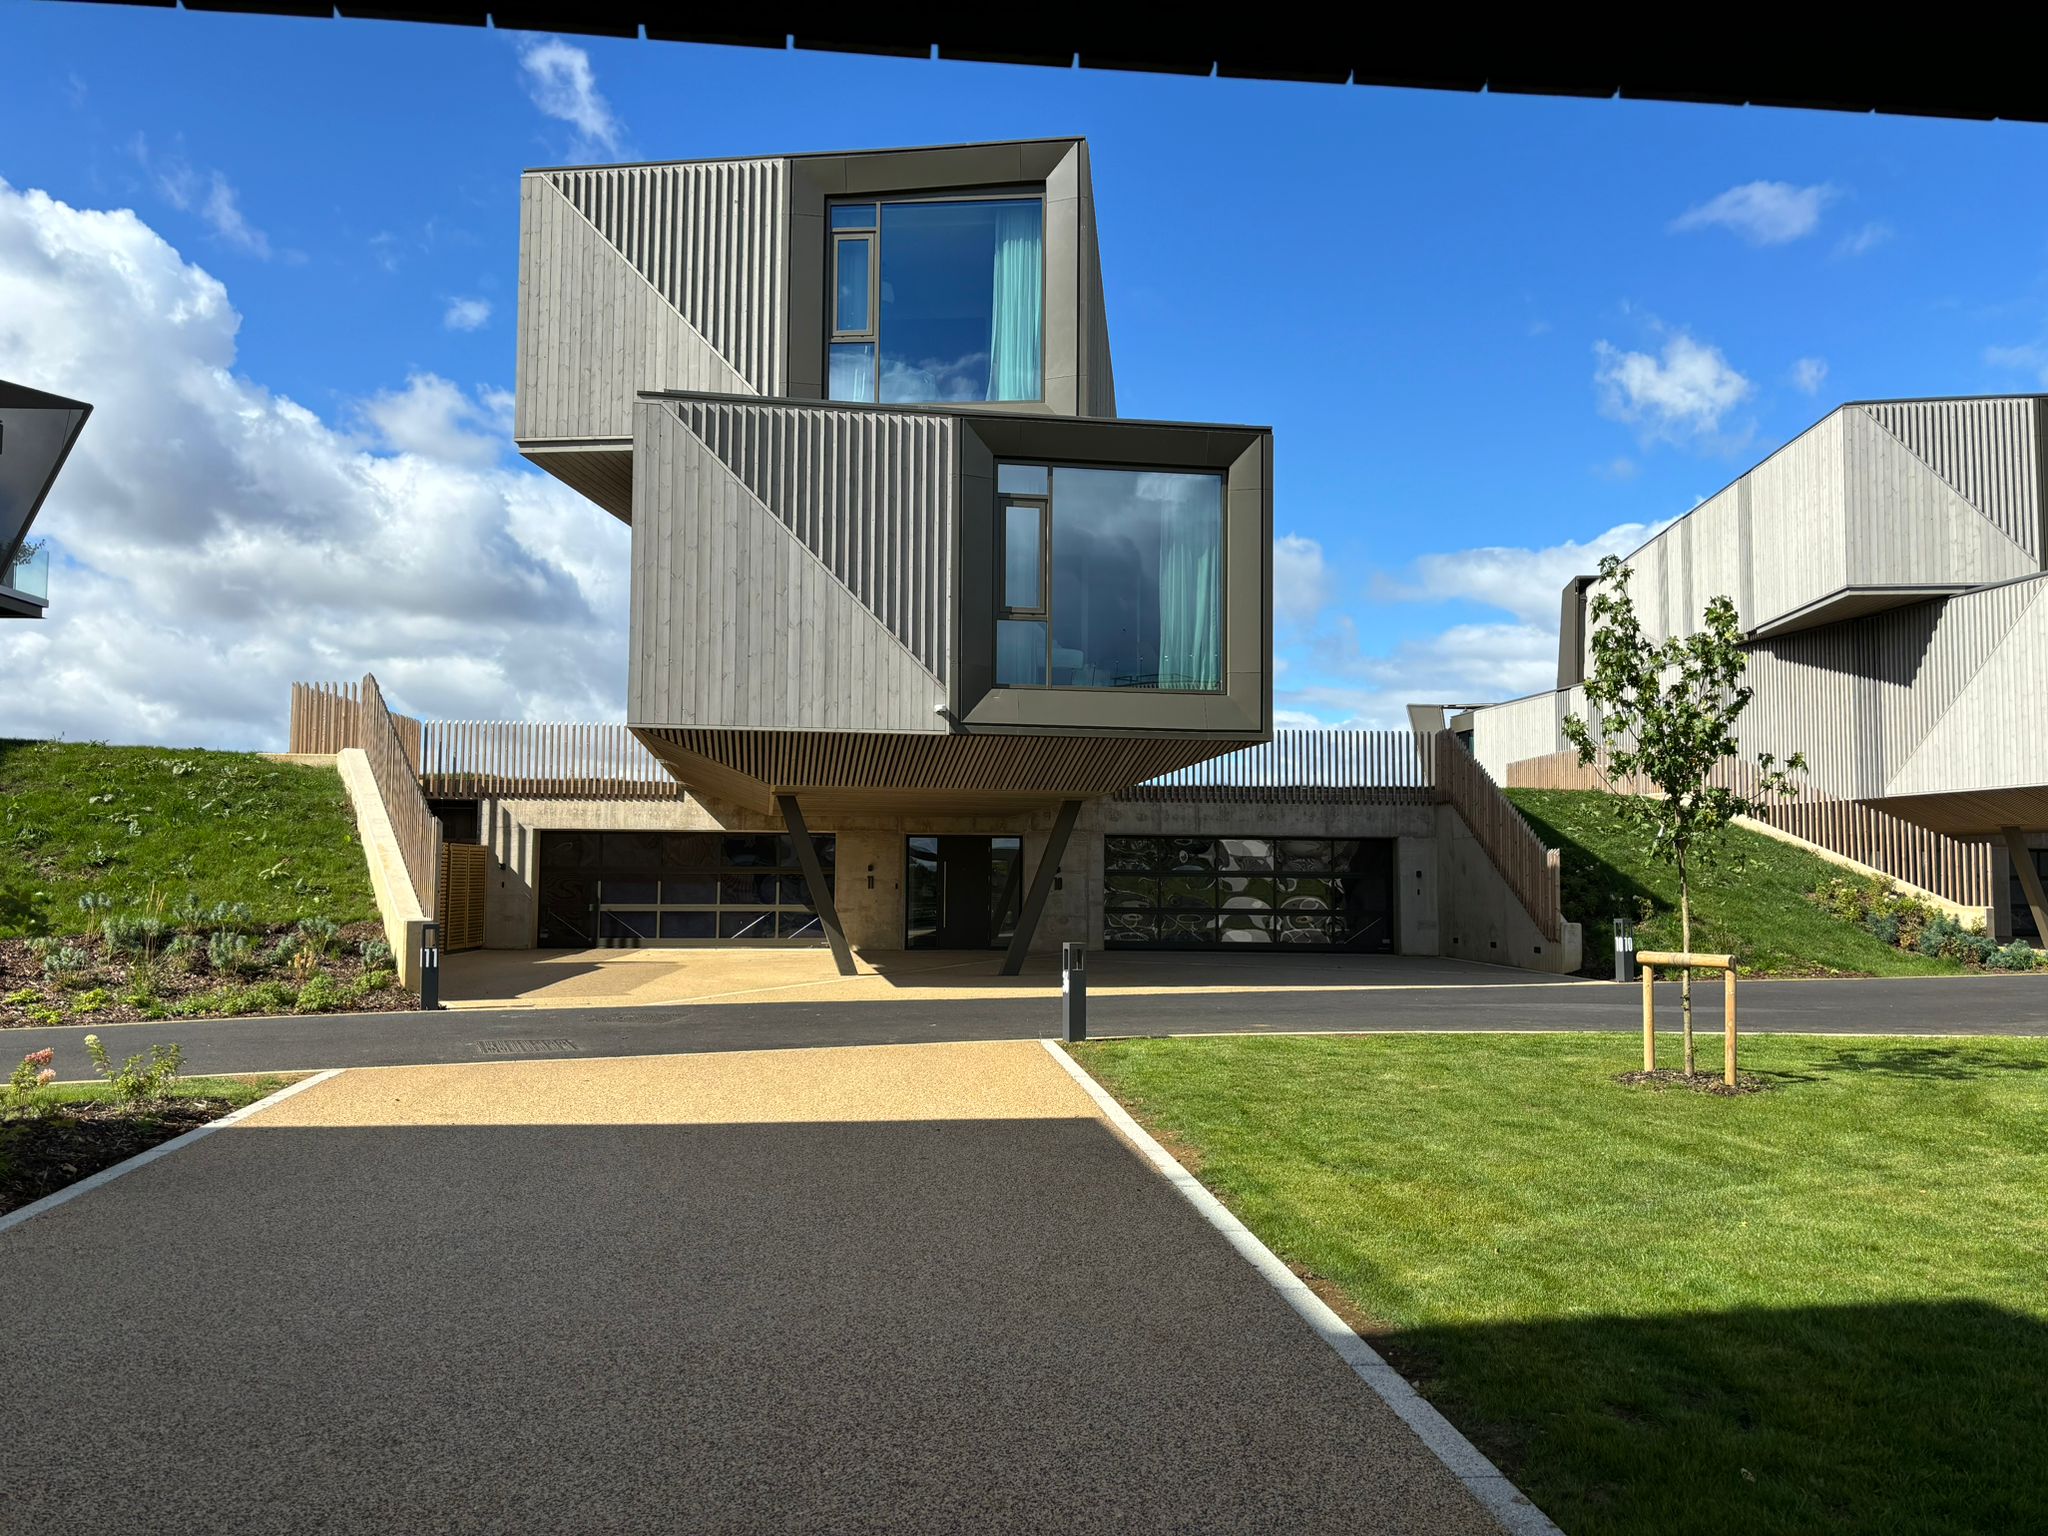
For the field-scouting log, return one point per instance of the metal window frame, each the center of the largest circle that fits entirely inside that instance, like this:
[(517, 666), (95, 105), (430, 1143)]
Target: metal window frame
[(1030, 192), (1052, 468), (835, 336), (1042, 505)]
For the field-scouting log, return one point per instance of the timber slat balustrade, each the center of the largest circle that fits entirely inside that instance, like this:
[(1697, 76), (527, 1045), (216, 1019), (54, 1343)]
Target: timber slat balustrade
[(1534, 873), (327, 718), (417, 829), (1951, 867)]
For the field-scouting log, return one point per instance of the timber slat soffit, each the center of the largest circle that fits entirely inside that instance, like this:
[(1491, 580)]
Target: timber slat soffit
[(1944, 74)]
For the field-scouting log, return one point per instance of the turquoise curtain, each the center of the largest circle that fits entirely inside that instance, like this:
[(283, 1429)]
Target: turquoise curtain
[(1016, 312), (1190, 598)]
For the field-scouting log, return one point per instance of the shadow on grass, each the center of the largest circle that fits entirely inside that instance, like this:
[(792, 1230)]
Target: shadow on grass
[(1904, 1417), (1948, 1063), (1594, 892)]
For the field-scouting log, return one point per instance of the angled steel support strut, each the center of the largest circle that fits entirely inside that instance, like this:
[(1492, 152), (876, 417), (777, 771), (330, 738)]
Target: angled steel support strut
[(1041, 886), (814, 880)]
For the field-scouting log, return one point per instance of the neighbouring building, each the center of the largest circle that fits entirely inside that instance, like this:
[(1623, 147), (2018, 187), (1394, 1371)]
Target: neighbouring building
[(929, 647), (36, 434), (1889, 567)]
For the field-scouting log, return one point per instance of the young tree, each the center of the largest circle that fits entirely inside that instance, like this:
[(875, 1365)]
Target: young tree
[(1667, 714)]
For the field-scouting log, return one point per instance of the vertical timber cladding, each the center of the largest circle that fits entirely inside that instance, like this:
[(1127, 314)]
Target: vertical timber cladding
[(460, 906), (674, 889), (1235, 892)]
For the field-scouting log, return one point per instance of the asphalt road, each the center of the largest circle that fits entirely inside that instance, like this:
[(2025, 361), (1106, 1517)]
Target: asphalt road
[(1963, 1005), (847, 1291)]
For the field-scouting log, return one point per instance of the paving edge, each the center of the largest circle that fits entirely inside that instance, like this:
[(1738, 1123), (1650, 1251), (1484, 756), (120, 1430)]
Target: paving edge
[(93, 1181), (1486, 1482)]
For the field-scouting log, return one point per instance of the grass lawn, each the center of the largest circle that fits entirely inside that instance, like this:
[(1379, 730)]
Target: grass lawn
[(112, 823), (1823, 1307), (1751, 903), (86, 1131)]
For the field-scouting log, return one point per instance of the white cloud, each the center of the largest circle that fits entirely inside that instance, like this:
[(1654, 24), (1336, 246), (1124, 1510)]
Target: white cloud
[(1682, 392), (562, 84), (215, 541), (224, 213), (1808, 374), (1866, 238), (2028, 357), (1464, 664), (467, 314), (208, 193), (1761, 212), (1342, 682), (1301, 580), (1527, 583)]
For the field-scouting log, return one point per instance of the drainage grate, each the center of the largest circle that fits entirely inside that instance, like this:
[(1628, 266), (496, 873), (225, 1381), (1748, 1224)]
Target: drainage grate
[(525, 1047)]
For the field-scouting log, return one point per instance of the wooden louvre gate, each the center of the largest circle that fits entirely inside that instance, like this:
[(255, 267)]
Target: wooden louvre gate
[(460, 911)]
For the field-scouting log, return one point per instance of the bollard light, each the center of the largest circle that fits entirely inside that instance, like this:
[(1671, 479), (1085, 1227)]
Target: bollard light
[(430, 966), (1073, 992)]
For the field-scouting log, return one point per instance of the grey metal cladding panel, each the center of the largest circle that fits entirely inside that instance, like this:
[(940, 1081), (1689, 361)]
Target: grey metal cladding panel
[(1097, 374), (593, 331), (1988, 451), (870, 493), (736, 623), (709, 238)]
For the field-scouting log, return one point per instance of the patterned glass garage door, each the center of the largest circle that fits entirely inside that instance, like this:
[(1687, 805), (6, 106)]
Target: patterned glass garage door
[(1224, 892)]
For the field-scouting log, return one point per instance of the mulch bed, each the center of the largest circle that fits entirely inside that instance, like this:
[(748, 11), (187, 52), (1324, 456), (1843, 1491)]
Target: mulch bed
[(1665, 1078), (39, 1157), (21, 967)]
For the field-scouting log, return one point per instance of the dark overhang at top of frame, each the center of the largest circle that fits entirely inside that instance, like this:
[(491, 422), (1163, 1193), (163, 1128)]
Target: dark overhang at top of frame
[(1948, 72)]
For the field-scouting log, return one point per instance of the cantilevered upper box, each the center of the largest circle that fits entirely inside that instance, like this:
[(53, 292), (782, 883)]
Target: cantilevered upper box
[(966, 274), (890, 543)]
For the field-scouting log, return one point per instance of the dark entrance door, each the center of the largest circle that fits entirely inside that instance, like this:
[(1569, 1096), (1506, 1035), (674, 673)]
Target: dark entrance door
[(569, 864), (961, 892)]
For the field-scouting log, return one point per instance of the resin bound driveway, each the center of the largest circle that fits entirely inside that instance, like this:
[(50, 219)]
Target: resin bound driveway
[(896, 1288)]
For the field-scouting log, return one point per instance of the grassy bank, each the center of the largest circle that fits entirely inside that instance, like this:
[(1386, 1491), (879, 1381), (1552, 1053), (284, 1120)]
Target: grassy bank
[(1819, 1307), (1753, 902), (88, 831)]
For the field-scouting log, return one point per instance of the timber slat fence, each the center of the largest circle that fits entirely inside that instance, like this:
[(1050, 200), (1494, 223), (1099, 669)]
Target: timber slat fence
[(327, 717), (1950, 867), (1534, 873), (1385, 767), (417, 828), (463, 759)]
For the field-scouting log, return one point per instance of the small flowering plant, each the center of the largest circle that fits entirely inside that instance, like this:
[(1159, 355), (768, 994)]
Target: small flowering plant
[(141, 1080), (27, 1086)]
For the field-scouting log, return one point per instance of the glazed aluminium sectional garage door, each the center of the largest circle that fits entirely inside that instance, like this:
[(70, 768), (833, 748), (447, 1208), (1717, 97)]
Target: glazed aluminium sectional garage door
[(1228, 892), (674, 888)]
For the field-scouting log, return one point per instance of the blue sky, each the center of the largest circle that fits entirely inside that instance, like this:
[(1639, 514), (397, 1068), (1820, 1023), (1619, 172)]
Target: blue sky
[(1489, 331)]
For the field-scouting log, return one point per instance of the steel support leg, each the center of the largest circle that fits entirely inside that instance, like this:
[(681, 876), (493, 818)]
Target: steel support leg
[(1041, 886), (814, 879)]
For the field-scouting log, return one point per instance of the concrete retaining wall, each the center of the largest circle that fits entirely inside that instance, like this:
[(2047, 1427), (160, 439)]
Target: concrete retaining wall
[(1449, 900), (397, 904)]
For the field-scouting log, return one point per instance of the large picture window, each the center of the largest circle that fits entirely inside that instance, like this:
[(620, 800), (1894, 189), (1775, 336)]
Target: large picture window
[(937, 300), (1109, 578)]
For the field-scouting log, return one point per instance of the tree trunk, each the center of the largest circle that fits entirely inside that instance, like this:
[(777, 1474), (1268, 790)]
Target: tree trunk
[(1685, 974)]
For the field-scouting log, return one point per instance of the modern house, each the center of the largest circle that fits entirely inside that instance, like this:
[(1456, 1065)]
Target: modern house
[(929, 646), (1889, 567), (36, 434)]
